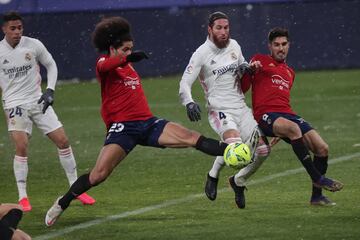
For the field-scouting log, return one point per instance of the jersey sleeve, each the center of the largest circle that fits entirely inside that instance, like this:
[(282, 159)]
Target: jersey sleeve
[(107, 64), (247, 79), (188, 78), (45, 58)]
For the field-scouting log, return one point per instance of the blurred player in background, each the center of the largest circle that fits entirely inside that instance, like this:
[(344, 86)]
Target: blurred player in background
[(24, 103), (126, 112), (10, 216), (217, 63), (271, 86)]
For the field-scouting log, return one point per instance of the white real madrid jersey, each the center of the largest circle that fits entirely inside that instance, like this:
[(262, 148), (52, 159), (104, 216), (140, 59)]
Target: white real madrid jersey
[(20, 78), (216, 69)]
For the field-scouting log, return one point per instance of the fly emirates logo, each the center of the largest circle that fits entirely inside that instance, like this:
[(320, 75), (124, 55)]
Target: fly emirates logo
[(228, 68), (279, 82), (17, 72), (131, 82)]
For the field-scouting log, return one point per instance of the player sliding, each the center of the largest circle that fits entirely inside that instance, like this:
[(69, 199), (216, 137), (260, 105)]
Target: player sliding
[(271, 85), (126, 113)]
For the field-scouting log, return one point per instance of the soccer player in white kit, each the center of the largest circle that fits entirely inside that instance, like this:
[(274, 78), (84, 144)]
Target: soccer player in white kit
[(217, 63), (24, 103)]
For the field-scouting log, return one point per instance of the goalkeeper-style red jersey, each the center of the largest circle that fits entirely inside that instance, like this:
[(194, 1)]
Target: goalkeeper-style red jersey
[(123, 98), (271, 86)]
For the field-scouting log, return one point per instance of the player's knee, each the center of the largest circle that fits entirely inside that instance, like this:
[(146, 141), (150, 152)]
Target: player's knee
[(62, 142), (263, 150), (21, 148)]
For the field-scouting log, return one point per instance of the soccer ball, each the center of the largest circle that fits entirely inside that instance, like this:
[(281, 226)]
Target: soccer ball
[(237, 155)]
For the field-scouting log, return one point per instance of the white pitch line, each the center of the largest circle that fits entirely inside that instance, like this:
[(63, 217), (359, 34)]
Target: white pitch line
[(176, 202)]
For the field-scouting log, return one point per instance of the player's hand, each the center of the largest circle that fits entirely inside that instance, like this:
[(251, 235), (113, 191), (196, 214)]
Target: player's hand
[(47, 98), (193, 111), (274, 141), (137, 56), (255, 66), (245, 68)]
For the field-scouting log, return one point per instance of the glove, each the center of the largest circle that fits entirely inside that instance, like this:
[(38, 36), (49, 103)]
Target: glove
[(245, 68), (137, 56), (47, 98), (193, 111)]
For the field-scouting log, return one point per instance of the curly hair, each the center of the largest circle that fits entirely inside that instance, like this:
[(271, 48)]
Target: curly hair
[(112, 31)]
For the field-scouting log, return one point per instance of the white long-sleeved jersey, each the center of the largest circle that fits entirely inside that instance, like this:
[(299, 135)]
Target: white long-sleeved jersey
[(216, 69), (20, 78)]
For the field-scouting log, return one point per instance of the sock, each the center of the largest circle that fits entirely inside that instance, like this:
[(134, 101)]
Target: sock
[(321, 164), (81, 185), (12, 218), (67, 161), (210, 146), (261, 153), (303, 155), (21, 172), (5, 231), (217, 166)]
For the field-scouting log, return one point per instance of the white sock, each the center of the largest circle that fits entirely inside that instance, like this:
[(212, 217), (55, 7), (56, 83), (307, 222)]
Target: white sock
[(260, 155), (67, 161), (217, 166), (21, 171), (219, 161)]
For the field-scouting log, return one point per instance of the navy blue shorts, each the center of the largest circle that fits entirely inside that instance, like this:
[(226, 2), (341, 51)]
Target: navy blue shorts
[(267, 120), (129, 134)]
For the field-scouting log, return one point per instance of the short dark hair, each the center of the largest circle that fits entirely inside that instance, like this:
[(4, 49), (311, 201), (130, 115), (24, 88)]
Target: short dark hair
[(215, 16), (11, 16), (112, 31), (278, 32)]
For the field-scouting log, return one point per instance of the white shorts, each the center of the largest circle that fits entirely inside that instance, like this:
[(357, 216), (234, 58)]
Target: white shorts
[(241, 120), (21, 118)]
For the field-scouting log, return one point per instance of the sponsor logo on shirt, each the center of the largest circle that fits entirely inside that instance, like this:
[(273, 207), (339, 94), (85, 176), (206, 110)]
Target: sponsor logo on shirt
[(212, 62), (279, 82), (224, 69), (5, 61), (17, 72), (131, 82)]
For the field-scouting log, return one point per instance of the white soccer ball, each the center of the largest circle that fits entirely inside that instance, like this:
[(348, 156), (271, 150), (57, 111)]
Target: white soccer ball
[(237, 155)]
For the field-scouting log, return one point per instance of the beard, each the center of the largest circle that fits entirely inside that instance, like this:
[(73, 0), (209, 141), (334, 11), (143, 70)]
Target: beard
[(221, 43)]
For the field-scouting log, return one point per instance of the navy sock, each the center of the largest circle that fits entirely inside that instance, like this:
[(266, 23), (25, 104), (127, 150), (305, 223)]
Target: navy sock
[(321, 164), (303, 155), (210, 146), (6, 232), (12, 218), (81, 185)]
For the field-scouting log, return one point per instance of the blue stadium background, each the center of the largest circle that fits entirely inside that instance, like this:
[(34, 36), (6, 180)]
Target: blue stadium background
[(324, 34)]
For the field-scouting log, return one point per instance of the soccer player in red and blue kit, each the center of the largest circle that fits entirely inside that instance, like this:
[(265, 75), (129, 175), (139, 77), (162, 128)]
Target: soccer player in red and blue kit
[(126, 113), (271, 85)]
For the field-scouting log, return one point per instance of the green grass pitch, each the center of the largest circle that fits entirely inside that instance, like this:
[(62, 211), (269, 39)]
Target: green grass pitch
[(158, 193)]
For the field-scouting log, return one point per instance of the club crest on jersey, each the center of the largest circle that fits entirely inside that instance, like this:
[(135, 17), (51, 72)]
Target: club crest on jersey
[(28, 57), (233, 56), (189, 69)]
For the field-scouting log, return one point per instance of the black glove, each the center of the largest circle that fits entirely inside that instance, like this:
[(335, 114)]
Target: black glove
[(137, 56), (47, 98), (193, 111), (245, 68)]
